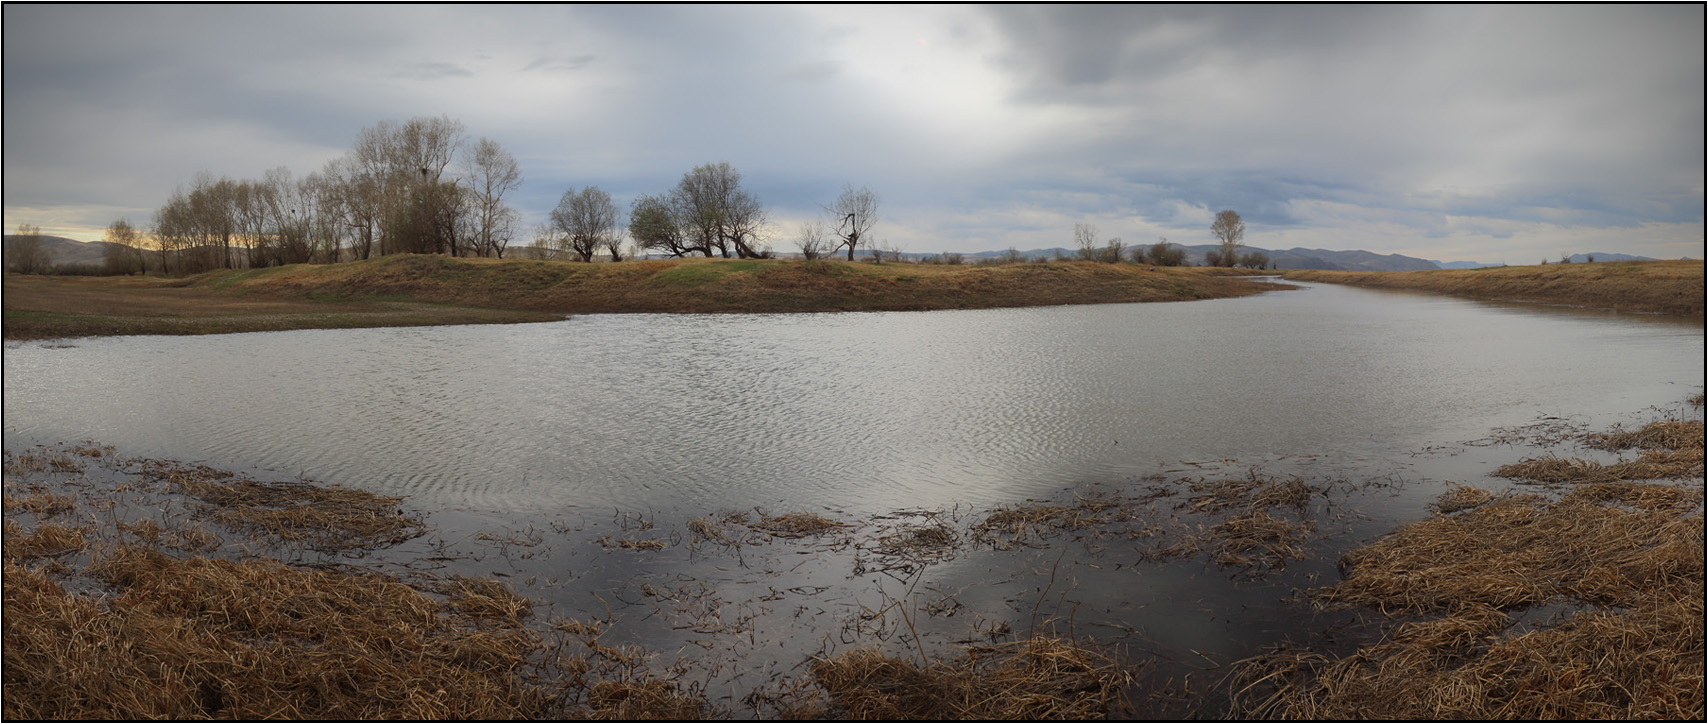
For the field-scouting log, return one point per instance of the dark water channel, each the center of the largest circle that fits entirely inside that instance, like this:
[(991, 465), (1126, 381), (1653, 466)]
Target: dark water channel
[(528, 444)]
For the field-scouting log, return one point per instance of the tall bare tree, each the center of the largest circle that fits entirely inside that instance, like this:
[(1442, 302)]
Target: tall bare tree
[(27, 256), (1229, 231), (491, 172), (586, 221), (1085, 239), (854, 213)]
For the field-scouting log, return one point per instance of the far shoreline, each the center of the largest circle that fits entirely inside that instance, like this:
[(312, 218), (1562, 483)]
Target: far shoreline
[(420, 290)]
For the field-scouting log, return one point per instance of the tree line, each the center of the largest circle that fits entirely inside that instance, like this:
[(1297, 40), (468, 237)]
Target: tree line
[(412, 187)]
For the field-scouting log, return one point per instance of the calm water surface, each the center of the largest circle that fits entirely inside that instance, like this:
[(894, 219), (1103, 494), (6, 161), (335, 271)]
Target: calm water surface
[(857, 411)]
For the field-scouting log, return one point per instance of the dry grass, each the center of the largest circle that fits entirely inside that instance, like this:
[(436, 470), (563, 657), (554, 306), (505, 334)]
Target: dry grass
[(51, 539), (1038, 679), (42, 503), (1629, 554), (795, 525), (1651, 465), (1252, 493), (630, 544), (415, 289), (1663, 287), (1274, 540), (324, 518), (645, 699), (488, 600), (1010, 526), (1659, 435), (199, 638), (1461, 497), (43, 460), (1601, 543)]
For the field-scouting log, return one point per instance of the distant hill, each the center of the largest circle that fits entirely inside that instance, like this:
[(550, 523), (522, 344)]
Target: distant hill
[(63, 251), (1463, 264), (1296, 258), (1604, 256)]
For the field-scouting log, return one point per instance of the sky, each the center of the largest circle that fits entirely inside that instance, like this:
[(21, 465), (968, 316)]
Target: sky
[(1499, 134)]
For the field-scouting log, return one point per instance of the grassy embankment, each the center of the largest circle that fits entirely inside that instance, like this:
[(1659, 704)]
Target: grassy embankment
[(1658, 287), (419, 290)]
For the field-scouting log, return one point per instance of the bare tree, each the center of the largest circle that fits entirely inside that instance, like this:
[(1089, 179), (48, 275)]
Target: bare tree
[(586, 221), (717, 213), (28, 256), (490, 173), (812, 243), (855, 212), (1230, 230), (1085, 239), (123, 252), (402, 165)]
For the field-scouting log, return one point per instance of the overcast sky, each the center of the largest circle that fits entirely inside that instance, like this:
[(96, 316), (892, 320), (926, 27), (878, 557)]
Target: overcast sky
[(1507, 133)]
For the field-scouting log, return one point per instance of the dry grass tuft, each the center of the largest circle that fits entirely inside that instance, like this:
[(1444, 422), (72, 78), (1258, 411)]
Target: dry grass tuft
[(1010, 526), (649, 699), (43, 460), (795, 525), (324, 518), (1461, 497), (43, 503), (630, 544), (1661, 435), (1042, 678), (1651, 465), (488, 600), (1275, 540), (1252, 493), (51, 539)]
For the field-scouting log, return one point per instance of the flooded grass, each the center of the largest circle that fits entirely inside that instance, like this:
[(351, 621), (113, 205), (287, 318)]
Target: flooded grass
[(152, 589), (1621, 560), (1041, 678), (327, 518)]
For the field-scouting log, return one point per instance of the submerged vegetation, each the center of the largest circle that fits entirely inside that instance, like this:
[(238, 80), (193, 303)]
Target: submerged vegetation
[(1658, 287), (153, 589), (408, 289)]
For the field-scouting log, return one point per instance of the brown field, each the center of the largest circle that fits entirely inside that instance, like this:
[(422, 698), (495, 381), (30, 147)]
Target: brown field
[(1658, 287), (415, 290)]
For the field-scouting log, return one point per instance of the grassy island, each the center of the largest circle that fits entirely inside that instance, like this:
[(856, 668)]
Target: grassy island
[(412, 290), (1655, 287)]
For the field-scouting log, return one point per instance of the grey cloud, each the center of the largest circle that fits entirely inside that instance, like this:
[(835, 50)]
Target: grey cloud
[(432, 71), (561, 64)]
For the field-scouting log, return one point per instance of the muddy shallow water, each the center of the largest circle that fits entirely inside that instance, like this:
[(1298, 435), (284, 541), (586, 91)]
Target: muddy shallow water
[(536, 450)]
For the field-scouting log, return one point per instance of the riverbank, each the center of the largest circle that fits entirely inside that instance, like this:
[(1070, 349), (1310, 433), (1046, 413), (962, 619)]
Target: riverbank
[(156, 589), (1655, 287), (412, 290)]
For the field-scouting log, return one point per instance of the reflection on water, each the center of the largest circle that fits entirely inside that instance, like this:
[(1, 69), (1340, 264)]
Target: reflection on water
[(857, 412)]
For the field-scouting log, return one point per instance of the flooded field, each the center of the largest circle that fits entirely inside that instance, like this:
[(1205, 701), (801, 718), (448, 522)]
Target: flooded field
[(720, 502)]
